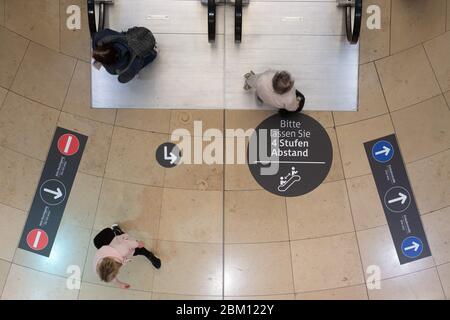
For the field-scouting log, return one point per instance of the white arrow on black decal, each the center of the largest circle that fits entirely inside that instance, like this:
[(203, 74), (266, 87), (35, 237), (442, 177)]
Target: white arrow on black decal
[(57, 194), (402, 197), (170, 157)]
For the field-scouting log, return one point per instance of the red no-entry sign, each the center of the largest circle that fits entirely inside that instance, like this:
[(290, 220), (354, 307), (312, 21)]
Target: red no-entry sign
[(37, 239), (68, 144)]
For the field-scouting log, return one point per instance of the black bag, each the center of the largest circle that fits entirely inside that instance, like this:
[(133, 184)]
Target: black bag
[(285, 113), (104, 238), (141, 41)]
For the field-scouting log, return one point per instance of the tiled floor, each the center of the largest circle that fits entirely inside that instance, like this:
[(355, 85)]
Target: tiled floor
[(219, 235)]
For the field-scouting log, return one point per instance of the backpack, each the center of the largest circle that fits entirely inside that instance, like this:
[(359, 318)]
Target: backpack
[(141, 41)]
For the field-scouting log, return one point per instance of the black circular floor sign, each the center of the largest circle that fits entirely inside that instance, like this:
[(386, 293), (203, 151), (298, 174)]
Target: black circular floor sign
[(168, 155), (290, 156)]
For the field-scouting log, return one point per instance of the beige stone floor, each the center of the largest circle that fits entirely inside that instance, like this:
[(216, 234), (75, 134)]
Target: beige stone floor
[(218, 234)]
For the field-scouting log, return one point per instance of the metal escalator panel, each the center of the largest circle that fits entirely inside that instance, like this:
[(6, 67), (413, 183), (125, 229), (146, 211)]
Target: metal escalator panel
[(325, 69), (165, 16), (188, 72), (307, 38), (189, 75), (288, 18)]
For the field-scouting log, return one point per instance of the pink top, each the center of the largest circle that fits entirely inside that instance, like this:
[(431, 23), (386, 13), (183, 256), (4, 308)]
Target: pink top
[(121, 249)]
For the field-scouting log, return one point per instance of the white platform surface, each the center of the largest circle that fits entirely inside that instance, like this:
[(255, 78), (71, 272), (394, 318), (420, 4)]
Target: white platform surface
[(306, 38)]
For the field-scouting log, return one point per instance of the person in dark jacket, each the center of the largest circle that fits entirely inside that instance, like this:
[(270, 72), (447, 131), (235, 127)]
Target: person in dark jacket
[(124, 53)]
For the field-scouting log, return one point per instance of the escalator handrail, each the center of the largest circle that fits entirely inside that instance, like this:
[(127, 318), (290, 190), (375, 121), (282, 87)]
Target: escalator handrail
[(93, 28), (354, 31), (238, 21), (101, 16), (91, 16), (211, 21)]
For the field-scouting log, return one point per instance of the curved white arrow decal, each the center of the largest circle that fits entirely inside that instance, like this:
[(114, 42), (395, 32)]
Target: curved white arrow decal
[(170, 157)]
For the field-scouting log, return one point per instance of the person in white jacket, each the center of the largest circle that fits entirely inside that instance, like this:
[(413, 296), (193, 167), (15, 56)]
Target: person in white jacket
[(276, 89), (115, 248)]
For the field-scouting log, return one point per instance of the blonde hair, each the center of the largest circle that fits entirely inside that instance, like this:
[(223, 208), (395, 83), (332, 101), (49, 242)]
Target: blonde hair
[(108, 269)]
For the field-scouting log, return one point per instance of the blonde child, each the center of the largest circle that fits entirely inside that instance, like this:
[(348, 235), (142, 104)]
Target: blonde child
[(115, 248)]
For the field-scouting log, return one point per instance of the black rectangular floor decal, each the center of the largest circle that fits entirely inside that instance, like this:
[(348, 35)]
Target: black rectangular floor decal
[(53, 192), (397, 199)]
